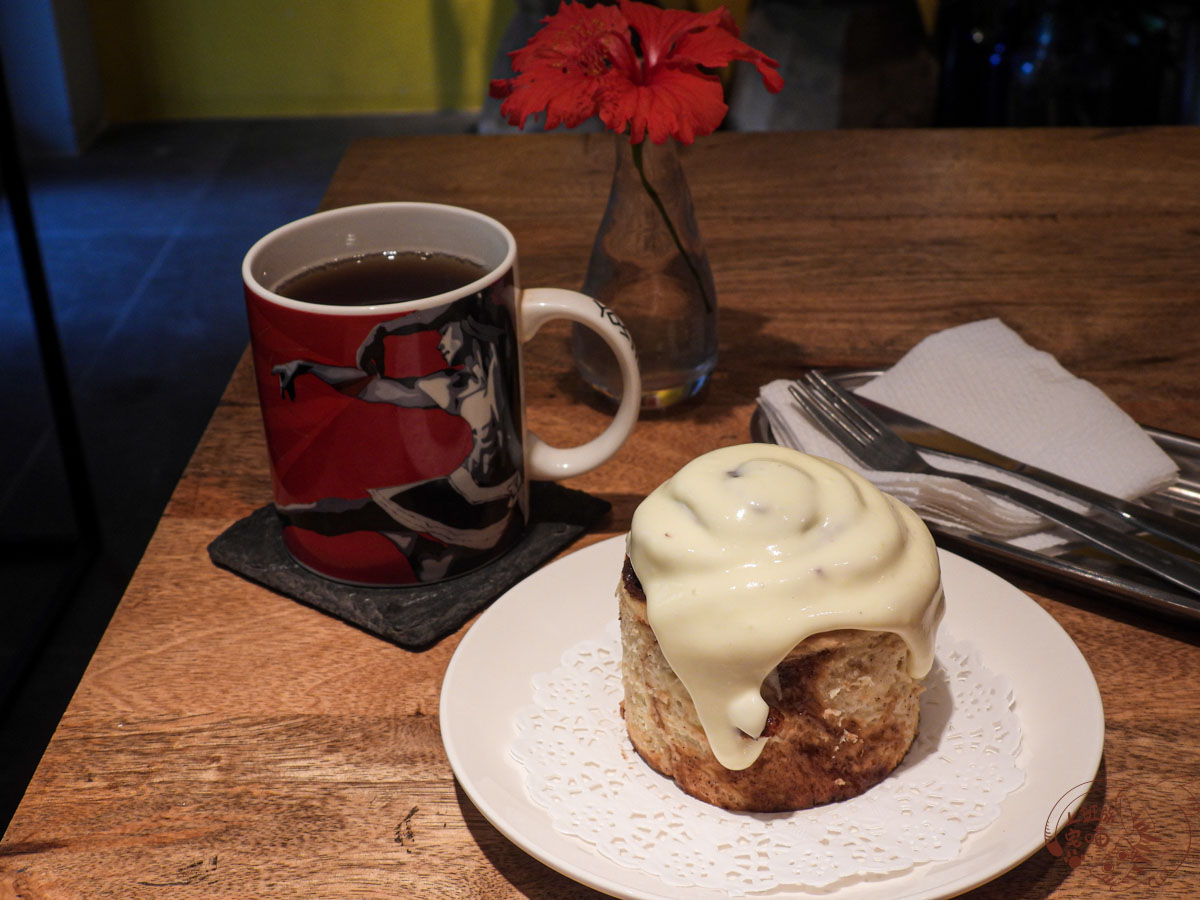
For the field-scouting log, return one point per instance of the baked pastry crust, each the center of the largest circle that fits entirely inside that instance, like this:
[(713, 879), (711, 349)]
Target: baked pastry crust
[(844, 712)]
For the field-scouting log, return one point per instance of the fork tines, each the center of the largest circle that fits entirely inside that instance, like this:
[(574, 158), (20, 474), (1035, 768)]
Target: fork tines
[(844, 405)]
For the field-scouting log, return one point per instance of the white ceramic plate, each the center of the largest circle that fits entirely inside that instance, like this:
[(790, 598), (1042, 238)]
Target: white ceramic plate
[(526, 631)]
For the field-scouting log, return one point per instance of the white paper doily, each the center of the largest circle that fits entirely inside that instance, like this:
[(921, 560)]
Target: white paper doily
[(580, 767)]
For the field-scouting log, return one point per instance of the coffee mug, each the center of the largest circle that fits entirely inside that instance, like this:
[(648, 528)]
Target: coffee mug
[(387, 350)]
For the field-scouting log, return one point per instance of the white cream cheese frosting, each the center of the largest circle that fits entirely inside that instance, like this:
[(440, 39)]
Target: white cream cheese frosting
[(748, 550)]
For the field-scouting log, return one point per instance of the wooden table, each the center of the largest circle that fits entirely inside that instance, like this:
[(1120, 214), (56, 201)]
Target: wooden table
[(227, 742)]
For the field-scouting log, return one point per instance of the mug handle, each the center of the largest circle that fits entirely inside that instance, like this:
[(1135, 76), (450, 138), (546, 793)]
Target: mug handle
[(539, 306)]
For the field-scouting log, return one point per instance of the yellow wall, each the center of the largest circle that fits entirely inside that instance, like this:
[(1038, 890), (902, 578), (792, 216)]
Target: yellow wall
[(206, 58), (178, 59)]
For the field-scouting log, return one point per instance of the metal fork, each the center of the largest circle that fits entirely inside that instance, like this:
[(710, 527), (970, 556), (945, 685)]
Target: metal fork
[(877, 447)]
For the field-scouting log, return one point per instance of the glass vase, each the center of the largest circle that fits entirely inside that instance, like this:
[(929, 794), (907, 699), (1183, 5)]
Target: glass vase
[(649, 266)]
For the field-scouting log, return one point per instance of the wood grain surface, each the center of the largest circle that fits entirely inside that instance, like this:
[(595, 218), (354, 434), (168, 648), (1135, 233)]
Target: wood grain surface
[(226, 742)]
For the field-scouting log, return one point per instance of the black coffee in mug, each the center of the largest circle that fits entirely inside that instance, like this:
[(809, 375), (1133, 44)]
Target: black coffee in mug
[(386, 277), (393, 406)]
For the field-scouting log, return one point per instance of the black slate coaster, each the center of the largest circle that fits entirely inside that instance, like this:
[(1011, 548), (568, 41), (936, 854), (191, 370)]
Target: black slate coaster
[(416, 616)]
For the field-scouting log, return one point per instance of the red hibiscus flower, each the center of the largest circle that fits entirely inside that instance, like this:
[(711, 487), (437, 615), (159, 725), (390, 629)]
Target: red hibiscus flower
[(583, 62)]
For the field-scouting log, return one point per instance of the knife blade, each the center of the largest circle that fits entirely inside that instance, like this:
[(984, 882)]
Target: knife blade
[(930, 437)]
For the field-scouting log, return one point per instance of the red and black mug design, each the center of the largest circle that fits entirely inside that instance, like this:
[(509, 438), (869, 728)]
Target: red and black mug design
[(396, 430)]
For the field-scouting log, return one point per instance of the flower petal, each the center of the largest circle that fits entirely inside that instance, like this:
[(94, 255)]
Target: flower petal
[(659, 29), (566, 100), (680, 39), (680, 104), (716, 47), (563, 67), (571, 36)]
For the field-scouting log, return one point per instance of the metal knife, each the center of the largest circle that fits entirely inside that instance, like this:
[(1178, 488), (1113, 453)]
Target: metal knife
[(930, 437)]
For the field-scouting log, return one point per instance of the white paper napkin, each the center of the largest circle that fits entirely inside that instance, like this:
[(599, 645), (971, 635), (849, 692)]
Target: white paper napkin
[(983, 382)]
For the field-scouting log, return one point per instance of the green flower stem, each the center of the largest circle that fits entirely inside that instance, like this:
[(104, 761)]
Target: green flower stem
[(687, 257)]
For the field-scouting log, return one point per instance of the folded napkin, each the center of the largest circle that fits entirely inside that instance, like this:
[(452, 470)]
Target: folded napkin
[(983, 382)]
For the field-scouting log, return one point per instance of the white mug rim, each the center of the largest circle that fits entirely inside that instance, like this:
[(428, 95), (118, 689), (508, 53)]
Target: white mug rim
[(402, 306)]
